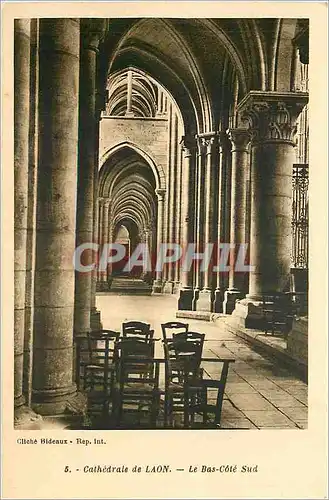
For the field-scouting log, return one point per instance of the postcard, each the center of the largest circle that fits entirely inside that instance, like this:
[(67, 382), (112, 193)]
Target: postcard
[(164, 250)]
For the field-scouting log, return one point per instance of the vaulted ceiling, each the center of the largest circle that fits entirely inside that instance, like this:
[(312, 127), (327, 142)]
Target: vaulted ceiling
[(205, 64)]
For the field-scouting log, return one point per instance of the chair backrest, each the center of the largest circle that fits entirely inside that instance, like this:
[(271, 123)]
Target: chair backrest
[(182, 359), (137, 329), (189, 337), (132, 346), (171, 327), (101, 345), (135, 358)]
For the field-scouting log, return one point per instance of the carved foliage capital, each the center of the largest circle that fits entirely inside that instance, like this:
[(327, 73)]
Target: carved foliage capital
[(272, 116)]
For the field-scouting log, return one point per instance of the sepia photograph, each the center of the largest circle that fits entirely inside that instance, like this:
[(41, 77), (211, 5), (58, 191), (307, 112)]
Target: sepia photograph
[(161, 223), (161, 236)]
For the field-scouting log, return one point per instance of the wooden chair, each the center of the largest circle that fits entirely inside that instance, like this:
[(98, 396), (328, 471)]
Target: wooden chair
[(172, 327), (98, 370), (277, 313), (182, 375), (138, 330), (137, 382), (210, 412)]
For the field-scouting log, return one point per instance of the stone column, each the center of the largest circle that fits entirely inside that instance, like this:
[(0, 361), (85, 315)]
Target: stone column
[(221, 212), (99, 239), (104, 230), (178, 213), (240, 139), (157, 285), (205, 300), (199, 208), (90, 37), (272, 120), (172, 219), (22, 33), (167, 215), (186, 291), (95, 315), (53, 389)]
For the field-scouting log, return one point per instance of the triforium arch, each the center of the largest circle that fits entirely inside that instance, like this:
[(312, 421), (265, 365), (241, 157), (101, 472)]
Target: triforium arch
[(220, 170)]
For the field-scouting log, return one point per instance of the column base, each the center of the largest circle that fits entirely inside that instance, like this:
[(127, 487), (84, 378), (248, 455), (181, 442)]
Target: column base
[(25, 417), (196, 293), (230, 297), (248, 313), (205, 301), (185, 299), (157, 287), (95, 320), (19, 401), (168, 287), (176, 287), (59, 401), (218, 301)]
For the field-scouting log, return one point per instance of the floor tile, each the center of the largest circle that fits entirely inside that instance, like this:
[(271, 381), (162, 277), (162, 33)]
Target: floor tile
[(250, 402), (269, 419)]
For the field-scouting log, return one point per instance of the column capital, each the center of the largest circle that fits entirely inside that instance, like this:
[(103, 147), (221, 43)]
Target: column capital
[(92, 32), (188, 144), (272, 116), (208, 141), (239, 138), (160, 194)]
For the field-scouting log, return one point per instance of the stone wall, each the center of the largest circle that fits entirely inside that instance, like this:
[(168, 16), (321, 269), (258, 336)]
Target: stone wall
[(148, 134)]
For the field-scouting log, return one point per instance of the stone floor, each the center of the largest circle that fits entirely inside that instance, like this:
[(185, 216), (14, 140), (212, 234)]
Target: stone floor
[(260, 394)]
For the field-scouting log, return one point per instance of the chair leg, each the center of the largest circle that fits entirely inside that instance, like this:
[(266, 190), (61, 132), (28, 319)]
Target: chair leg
[(186, 409), (167, 413), (155, 409)]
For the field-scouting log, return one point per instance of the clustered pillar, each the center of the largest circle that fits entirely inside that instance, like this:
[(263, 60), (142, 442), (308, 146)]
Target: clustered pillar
[(157, 285), (86, 172), (186, 291), (205, 299), (240, 139), (271, 117)]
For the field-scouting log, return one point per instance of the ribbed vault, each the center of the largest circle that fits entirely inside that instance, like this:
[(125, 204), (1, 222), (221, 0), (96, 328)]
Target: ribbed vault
[(207, 65)]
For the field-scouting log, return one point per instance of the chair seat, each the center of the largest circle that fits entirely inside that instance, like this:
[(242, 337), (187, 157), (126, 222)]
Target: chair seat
[(137, 387), (179, 387), (95, 367)]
